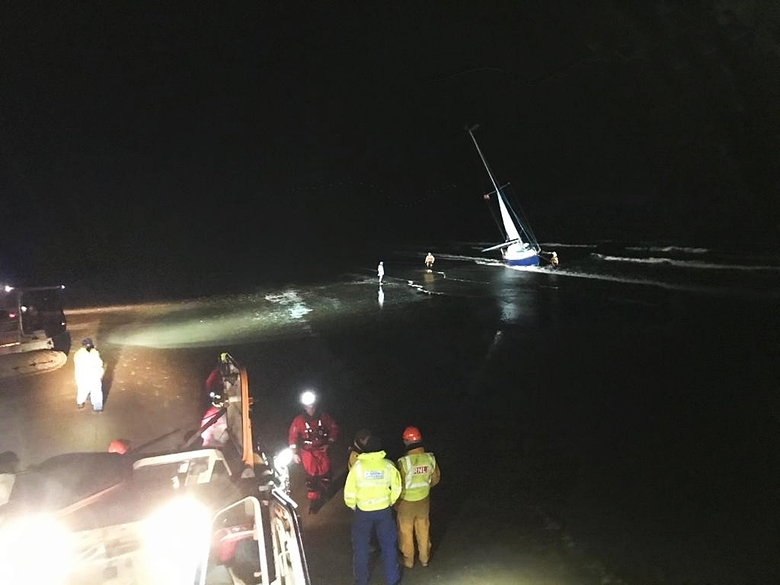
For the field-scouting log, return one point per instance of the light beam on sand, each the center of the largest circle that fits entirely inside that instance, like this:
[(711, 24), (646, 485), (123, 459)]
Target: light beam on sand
[(237, 319), (188, 332), (214, 322)]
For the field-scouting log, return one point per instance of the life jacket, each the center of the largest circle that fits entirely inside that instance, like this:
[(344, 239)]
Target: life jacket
[(314, 434)]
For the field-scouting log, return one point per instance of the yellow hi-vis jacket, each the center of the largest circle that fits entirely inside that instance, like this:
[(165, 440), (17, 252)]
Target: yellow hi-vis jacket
[(419, 473), (373, 483)]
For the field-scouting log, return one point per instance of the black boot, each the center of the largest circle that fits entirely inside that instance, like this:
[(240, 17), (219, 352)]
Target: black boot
[(323, 487)]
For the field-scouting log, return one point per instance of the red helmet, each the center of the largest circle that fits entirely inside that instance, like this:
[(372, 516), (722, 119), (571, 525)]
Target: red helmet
[(117, 446), (412, 435)]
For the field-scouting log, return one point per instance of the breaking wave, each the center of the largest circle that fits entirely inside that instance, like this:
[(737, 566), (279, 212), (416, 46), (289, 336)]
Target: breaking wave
[(687, 263)]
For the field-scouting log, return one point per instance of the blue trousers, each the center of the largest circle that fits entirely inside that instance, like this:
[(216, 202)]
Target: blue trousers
[(363, 523)]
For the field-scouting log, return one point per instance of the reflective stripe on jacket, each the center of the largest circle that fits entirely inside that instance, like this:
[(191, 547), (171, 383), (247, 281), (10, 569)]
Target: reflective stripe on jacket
[(373, 483), (417, 471)]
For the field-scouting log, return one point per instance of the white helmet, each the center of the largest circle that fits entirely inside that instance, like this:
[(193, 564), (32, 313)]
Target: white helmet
[(308, 398)]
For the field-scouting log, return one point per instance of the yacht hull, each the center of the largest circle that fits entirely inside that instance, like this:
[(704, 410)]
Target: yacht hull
[(522, 257)]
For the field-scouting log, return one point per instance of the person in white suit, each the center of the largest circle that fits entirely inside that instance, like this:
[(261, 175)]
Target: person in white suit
[(89, 371)]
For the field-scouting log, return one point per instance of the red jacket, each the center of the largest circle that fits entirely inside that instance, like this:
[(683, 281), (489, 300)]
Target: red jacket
[(312, 432)]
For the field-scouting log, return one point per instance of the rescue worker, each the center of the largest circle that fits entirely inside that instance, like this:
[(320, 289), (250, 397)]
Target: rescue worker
[(89, 370), (214, 384), (380, 271), (554, 260), (373, 485), (429, 260), (310, 436), (358, 446), (215, 433), (419, 473)]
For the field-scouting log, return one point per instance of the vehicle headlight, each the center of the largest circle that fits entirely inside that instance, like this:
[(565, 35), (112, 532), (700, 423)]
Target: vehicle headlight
[(35, 550), (282, 459), (175, 538)]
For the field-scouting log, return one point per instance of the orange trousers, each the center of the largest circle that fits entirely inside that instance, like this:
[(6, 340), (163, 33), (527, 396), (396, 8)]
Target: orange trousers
[(414, 524)]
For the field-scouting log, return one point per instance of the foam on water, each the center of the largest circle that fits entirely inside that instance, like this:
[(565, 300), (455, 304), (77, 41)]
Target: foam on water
[(684, 268), (687, 263)]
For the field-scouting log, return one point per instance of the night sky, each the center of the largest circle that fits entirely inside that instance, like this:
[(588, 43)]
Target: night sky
[(152, 136)]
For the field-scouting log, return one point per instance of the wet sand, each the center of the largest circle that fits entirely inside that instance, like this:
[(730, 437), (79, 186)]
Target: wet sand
[(482, 532), (588, 431)]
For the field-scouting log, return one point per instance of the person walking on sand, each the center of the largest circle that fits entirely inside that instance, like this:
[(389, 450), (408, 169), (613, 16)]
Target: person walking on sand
[(310, 436), (373, 485), (419, 473), (89, 370), (380, 271), (429, 260)]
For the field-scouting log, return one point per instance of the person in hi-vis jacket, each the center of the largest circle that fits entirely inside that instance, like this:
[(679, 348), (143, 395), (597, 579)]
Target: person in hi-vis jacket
[(419, 473), (372, 487)]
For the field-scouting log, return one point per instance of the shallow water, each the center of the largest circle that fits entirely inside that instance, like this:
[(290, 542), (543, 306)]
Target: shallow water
[(631, 393)]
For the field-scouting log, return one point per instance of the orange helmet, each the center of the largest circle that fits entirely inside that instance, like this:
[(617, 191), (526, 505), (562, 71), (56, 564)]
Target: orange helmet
[(117, 446), (412, 435)]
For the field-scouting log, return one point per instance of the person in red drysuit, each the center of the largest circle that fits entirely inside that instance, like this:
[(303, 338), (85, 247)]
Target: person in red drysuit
[(310, 437)]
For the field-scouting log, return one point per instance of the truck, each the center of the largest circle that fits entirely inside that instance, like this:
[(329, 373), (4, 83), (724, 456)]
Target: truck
[(31, 319), (216, 515)]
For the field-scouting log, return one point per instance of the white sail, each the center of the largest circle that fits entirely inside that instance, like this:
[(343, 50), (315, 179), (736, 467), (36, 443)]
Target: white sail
[(510, 228)]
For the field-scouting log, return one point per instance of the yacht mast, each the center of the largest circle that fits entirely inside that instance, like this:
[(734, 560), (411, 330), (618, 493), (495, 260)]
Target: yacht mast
[(482, 156)]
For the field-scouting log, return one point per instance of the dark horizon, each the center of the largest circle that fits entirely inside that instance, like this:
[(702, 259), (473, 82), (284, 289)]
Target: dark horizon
[(140, 140)]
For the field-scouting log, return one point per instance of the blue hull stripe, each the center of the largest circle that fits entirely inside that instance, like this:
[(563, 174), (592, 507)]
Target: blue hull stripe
[(532, 261)]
